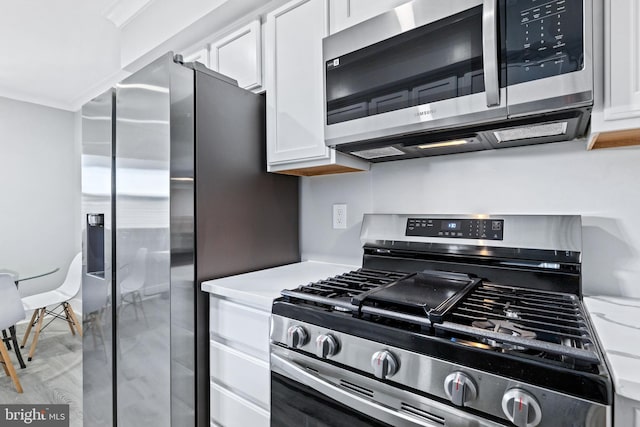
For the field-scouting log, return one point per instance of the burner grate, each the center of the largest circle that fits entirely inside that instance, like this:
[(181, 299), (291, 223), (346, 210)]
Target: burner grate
[(338, 290), (552, 322)]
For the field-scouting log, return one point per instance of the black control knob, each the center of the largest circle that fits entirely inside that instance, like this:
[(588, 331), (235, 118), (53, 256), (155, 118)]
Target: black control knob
[(326, 346), (296, 336)]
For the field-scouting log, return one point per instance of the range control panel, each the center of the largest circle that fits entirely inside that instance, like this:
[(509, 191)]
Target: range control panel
[(486, 229)]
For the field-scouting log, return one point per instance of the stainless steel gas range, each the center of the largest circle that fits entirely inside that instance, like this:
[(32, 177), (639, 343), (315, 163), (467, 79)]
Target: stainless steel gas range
[(451, 321)]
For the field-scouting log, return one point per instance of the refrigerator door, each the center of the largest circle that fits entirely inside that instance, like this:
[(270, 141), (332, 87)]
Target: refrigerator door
[(97, 159), (147, 300), (184, 400)]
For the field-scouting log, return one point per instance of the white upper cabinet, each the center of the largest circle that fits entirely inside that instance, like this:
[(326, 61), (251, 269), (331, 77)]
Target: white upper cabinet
[(616, 117), (345, 13), (294, 86), (622, 61), (201, 56), (239, 56)]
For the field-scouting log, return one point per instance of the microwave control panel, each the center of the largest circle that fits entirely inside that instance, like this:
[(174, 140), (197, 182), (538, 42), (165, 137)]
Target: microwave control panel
[(544, 38), (484, 229)]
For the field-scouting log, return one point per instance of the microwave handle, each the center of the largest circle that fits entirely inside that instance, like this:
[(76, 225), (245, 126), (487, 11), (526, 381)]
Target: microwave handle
[(490, 51)]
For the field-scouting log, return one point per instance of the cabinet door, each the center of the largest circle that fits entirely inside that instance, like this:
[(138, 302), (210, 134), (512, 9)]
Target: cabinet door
[(295, 113), (238, 56), (230, 410), (345, 13), (622, 59)]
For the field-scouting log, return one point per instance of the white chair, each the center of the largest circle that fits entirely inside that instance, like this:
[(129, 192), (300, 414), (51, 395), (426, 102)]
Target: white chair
[(58, 298), (132, 284), (11, 311), (95, 301)]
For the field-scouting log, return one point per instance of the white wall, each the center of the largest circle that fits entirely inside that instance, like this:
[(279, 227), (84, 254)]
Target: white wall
[(40, 191), (563, 178)]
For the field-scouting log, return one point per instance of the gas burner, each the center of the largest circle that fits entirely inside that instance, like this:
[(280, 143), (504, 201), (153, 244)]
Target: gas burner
[(511, 314), (504, 327)]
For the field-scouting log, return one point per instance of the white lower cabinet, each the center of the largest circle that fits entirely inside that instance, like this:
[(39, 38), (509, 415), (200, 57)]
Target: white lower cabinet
[(239, 364), (230, 410), (242, 374), (240, 326), (626, 412)]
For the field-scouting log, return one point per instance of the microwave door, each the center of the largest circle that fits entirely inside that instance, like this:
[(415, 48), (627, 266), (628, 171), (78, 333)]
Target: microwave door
[(549, 56), (421, 66)]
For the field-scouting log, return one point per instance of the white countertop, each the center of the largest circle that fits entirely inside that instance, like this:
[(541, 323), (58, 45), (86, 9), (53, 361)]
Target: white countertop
[(260, 288), (617, 324)]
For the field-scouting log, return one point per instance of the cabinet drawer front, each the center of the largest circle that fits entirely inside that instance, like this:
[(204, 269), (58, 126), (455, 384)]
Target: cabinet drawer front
[(245, 375), (240, 327), (229, 410)]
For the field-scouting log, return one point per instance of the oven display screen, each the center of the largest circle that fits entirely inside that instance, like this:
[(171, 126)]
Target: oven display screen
[(472, 228), (451, 225)]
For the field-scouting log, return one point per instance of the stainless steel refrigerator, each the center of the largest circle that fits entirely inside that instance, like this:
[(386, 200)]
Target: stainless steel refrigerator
[(175, 192)]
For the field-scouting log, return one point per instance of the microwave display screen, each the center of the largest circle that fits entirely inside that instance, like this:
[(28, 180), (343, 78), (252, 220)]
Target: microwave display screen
[(433, 62), (544, 39)]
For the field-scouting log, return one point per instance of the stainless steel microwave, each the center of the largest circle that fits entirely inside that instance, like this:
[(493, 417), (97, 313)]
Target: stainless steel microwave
[(434, 77)]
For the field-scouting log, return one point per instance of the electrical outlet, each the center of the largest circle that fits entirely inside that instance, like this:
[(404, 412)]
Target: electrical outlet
[(339, 216)]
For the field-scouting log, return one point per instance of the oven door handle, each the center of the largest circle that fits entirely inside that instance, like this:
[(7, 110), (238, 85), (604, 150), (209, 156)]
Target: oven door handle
[(490, 52), (374, 410)]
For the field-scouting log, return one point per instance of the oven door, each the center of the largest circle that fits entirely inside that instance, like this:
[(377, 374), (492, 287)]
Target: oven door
[(306, 391), (421, 66), (294, 404)]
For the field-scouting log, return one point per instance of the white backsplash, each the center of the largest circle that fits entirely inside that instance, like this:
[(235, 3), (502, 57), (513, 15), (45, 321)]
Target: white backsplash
[(563, 178)]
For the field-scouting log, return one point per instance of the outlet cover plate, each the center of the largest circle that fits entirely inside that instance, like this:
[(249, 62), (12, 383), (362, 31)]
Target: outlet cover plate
[(339, 216)]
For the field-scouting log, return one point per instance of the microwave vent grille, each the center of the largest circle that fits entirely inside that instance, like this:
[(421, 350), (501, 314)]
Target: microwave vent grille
[(374, 153), (535, 131)]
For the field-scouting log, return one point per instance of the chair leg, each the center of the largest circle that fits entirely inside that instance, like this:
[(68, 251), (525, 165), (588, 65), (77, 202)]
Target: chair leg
[(14, 338), (9, 367), (92, 322), (5, 338), (97, 325), (34, 343), (4, 366), (68, 317), (144, 315), (135, 304), (73, 318), (29, 326)]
